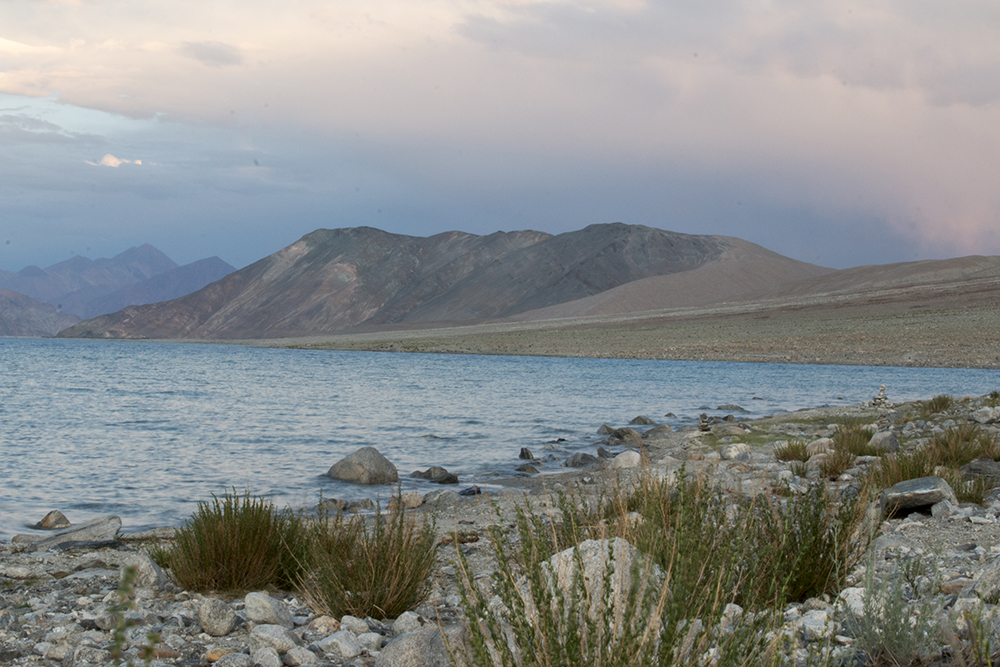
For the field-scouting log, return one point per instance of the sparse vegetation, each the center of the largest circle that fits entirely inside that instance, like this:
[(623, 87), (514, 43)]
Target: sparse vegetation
[(793, 450), (237, 543), (853, 436), (353, 568), (715, 572), (837, 463), (939, 403), (943, 456)]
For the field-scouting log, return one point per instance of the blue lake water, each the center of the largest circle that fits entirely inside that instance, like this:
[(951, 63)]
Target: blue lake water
[(146, 430)]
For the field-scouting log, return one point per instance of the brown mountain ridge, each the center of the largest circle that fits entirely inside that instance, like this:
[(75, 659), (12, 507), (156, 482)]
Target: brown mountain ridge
[(364, 279)]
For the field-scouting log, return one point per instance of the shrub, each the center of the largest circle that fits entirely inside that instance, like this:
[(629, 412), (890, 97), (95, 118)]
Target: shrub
[(893, 632), (235, 544), (793, 450), (361, 570), (705, 551), (837, 463), (935, 405), (968, 490), (899, 467), (962, 444), (853, 436)]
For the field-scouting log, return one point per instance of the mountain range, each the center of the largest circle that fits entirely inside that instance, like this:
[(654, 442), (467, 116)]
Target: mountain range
[(40, 302), (364, 279)]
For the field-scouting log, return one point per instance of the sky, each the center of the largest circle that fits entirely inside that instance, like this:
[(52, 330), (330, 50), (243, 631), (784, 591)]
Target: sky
[(836, 132)]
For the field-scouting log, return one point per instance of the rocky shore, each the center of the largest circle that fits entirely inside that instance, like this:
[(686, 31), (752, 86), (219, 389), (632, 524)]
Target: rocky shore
[(60, 599)]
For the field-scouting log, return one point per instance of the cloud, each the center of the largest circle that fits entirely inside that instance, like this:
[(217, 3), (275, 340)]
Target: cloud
[(884, 110), (213, 54), (110, 160), (12, 48)]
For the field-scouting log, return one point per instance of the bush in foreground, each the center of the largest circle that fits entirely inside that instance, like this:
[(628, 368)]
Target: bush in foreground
[(237, 543), (378, 570), (711, 575)]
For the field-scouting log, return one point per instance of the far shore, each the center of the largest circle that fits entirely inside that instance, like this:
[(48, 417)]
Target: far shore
[(943, 333)]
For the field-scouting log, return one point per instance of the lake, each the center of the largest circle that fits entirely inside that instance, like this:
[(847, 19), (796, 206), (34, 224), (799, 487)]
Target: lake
[(146, 430)]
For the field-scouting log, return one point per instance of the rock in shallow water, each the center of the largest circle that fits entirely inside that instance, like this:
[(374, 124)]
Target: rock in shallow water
[(54, 520), (365, 466)]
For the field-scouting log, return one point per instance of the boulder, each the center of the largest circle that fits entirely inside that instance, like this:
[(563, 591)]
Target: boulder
[(628, 459), (604, 429), (528, 468), (101, 529), (581, 459), (277, 637), (262, 608), (885, 441), (626, 434), (987, 468), (406, 501), (342, 644), (600, 559), (365, 466), (657, 431), (54, 520), (408, 621), (217, 618), (731, 452), (914, 494), (436, 474), (985, 415), (428, 647), (266, 656), (731, 407), (147, 573), (642, 420), (988, 586)]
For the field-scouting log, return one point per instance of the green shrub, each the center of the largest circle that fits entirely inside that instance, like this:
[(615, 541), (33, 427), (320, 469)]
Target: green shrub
[(363, 570), (962, 444), (935, 405), (705, 550), (899, 467), (793, 450), (853, 436), (235, 544), (968, 490), (837, 463), (895, 632)]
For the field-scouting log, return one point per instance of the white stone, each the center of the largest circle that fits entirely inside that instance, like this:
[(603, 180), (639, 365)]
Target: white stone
[(343, 644), (356, 625), (730, 452), (408, 621), (300, 656), (853, 600), (274, 636), (266, 657), (627, 459), (262, 608)]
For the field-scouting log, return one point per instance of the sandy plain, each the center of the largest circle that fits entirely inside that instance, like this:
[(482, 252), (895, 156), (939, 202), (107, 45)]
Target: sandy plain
[(956, 324)]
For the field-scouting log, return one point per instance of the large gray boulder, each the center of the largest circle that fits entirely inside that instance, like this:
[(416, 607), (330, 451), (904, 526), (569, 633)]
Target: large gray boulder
[(916, 494), (428, 647), (365, 466), (217, 618), (262, 608), (101, 529), (885, 441)]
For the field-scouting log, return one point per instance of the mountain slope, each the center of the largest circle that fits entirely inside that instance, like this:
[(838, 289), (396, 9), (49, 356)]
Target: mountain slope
[(161, 287), (363, 279), (70, 284), (21, 315)]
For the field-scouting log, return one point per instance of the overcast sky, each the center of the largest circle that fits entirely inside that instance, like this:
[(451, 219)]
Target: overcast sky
[(836, 132)]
